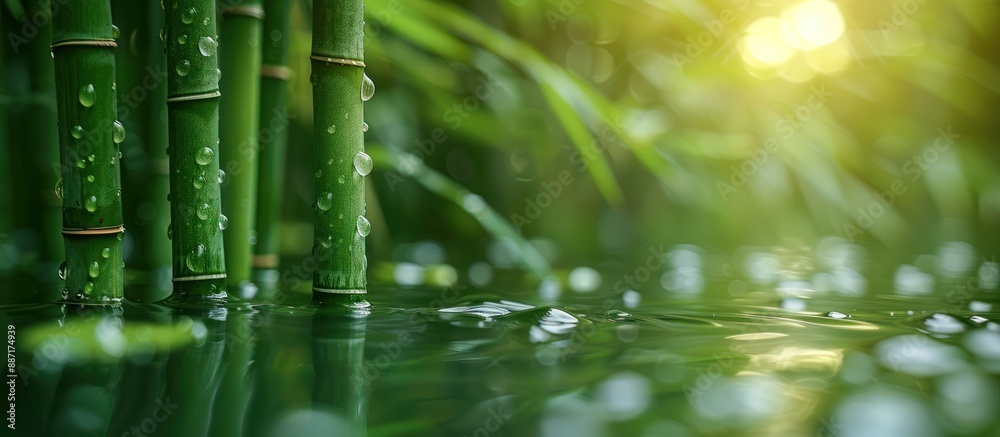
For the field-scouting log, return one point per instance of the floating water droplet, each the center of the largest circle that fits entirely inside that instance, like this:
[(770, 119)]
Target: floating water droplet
[(118, 132), (183, 39), (367, 88), (204, 156), (325, 201), (364, 226), (363, 163), (204, 211), (115, 31), (90, 178), (188, 16), (364, 127), (222, 176), (195, 260), (87, 95), (326, 242), (94, 270), (223, 222), (198, 182), (183, 67), (90, 204), (89, 288), (76, 132), (331, 129), (106, 253), (207, 46), (59, 188), (62, 270)]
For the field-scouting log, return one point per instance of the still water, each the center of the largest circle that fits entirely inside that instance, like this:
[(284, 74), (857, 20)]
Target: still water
[(783, 360)]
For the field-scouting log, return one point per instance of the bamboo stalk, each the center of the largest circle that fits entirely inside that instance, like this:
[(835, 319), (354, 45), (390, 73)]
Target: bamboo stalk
[(240, 58), (340, 225), (193, 129), (83, 47), (273, 121)]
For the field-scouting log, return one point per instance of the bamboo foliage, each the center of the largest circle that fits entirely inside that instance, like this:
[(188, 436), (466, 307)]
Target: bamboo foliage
[(337, 78), (193, 129), (239, 59), (83, 48)]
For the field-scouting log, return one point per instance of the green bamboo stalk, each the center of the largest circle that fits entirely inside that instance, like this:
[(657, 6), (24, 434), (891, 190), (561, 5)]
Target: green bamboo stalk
[(193, 129), (273, 121), (240, 60), (142, 106), (83, 47), (337, 77)]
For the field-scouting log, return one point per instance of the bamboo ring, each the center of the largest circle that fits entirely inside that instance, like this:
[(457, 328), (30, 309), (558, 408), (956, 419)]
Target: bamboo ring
[(199, 277), (201, 96), (245, 11), (94, 231), (86, 42), (265, 261), (339, 291), (275, 71), (340, 61)]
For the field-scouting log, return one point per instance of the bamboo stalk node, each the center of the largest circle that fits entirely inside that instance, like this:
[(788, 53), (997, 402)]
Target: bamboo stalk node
[(86, 42), (199, 277), (339, 291), (244, 11), (280, 72), (188, 97), (265, 261), (341, 61), (93, 231)]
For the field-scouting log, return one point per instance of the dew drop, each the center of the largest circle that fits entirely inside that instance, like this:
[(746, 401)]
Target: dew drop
[(183, 67), (223, 222), (163, 33), (94, 270), (196, 259), (341, 179), (218, 74), (222, 176), (188, 16), (364, 226), (89, 288), (367, 88), (121, 236), (364, 127), (207, 46), (363, 163), (325, 201), (87, 95), (76, 132), (326, 242), (253, 238), (331, 129), (313, 79), (204, 156), (204, 211), (118, 132), (319, 174), (59, 188), (91, 157), (62, 270), (115, 31), (81, 163), (183, 39), (198, 182), (90, 178), (170, 231), (90, 204), (106, 253)]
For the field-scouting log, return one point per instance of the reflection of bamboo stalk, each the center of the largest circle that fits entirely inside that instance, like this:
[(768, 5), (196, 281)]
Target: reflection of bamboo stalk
[(239, 59), (83, 47), (338, 359), (193, 116), (282, 371), (141, 384), (274, 75), (231, 401), (193, 374), (142, 107)]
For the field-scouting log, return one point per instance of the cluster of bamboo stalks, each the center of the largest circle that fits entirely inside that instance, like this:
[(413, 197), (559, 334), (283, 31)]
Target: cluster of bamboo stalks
[(219, 154)]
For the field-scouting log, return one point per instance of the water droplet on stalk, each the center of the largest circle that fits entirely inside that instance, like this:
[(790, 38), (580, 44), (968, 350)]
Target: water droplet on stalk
[(76, 132), (326, 242), (183, 39), (188, 16), (90, 178), (204, 156), (121, 236), (204, 22), (341, 179), (196, 259), (313, 79), (325, 201), (87, 95), (198, 182), (94, 270), (115, 31), (367, 88), (364, 127), (364, 226), (363, 163), (223, 222), (118, 132), (62, 270), (183, 67), (90, 204), (207, 46), (222, 176), (204, 211), (319, 174), (163, 33), (89, 288), (331, 129), (91, 157), (81, 163), (59, 188), (106, 253), (170, 231)]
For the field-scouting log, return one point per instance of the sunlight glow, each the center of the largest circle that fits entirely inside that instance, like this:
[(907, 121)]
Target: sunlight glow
[(764, 44), (805, 40), (816, 23)]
